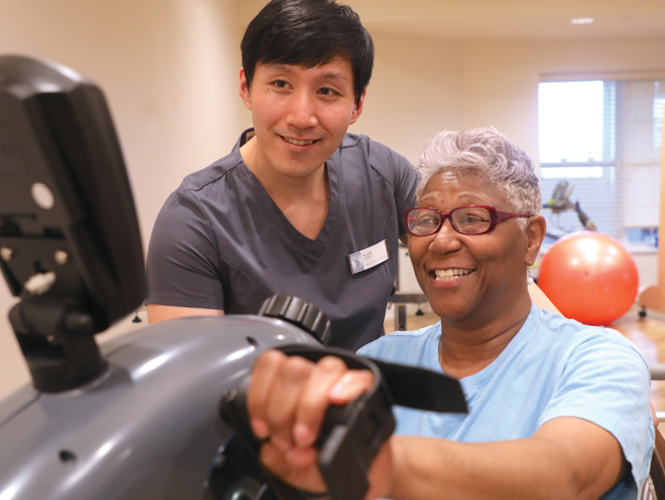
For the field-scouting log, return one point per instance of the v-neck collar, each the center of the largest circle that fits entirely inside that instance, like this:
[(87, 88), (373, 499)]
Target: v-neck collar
[(267, 204)]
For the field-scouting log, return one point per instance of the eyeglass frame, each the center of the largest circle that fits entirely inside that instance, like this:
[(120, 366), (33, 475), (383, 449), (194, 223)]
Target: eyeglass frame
[(496, 216)]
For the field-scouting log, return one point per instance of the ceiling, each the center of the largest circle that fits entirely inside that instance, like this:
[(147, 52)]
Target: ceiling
[(482, 20)]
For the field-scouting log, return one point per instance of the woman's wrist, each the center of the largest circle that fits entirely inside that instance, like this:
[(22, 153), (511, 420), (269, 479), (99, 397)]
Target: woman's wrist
[(383, 472), (398, 461)]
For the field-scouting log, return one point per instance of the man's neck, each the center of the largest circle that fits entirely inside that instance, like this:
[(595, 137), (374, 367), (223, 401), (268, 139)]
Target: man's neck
[(304, 201)]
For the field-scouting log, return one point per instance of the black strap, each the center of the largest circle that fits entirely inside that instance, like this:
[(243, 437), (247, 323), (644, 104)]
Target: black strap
[(422, 389)]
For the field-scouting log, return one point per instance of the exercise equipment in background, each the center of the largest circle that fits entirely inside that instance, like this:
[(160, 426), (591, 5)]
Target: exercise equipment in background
[(402, 299), (590, 277), (560, 202)]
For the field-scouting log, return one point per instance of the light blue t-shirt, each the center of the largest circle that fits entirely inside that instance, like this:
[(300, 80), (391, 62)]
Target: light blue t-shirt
[(554, 367)]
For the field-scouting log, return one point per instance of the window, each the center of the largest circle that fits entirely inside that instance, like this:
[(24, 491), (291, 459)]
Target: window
[(604, 138)]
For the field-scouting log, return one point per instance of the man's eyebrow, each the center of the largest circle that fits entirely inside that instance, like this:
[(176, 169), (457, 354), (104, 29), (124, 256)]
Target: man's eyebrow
[(331, 75), (335, 76), (284, 68)]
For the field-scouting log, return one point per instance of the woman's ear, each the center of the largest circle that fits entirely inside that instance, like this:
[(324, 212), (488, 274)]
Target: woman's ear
[(535, 232)]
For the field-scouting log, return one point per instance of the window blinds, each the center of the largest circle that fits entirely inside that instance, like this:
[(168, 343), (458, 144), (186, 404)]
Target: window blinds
[(604, 137)]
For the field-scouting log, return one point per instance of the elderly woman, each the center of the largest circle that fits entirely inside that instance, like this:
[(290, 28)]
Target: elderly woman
[(557, 409)]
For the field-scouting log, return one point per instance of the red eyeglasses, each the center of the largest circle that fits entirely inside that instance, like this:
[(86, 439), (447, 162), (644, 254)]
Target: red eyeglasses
[(473, 219)]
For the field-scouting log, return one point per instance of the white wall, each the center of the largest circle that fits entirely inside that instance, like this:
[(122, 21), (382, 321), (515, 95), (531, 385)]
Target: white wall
[(169, 69)]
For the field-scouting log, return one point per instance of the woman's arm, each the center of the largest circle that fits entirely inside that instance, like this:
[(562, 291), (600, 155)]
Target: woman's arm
[(566, 458)]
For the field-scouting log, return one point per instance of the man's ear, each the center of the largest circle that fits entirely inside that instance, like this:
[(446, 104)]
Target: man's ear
[(535, 232), (358, 107), (244, 90)]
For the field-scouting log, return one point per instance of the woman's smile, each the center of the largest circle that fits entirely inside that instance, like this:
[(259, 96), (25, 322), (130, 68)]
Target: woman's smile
[(450, 275)]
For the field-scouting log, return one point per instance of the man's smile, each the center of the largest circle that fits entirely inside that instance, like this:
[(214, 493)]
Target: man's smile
[(299, 142)]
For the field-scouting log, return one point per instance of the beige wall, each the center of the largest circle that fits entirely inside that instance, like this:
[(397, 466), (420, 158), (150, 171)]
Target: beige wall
[(501, 78), (421, 86), (415, 92), (169, 71)]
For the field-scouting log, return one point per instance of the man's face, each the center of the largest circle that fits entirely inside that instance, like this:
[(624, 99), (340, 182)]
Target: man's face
[(300, 115)]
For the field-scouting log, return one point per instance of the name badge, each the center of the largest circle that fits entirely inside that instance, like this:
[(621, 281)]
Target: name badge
[(369, 257)]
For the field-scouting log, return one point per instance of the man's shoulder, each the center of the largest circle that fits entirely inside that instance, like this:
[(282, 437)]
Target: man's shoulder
[(214, 174), (359, 151), (363, 142)]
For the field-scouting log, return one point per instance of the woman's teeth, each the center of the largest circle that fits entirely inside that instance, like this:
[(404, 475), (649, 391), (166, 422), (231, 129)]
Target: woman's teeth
[(450, 274), (298, 143)]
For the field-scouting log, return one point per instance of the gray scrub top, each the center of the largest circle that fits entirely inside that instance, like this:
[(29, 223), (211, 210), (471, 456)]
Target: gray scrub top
[(220, 242)]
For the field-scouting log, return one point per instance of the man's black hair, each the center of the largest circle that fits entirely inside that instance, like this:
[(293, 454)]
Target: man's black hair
[(308, 33)]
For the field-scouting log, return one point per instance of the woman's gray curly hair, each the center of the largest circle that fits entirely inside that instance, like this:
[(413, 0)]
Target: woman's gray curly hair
[(489, 155)]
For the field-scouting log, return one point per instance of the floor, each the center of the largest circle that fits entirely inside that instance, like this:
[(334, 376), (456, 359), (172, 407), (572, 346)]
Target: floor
[(648, 334)]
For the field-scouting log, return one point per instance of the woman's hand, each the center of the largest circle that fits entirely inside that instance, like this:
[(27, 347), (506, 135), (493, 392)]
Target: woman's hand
[(287, 400)]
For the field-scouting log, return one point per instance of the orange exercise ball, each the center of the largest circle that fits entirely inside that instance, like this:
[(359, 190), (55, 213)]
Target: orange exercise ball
[(590, 277)]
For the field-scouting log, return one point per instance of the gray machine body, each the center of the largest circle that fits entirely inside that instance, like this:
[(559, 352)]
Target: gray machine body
[(149, 427)]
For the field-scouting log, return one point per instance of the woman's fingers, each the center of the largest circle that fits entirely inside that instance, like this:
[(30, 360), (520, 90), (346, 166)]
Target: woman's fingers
[(314, 400), (284, 399), (304, 475), (263, 374), (287, 402), (350, 386)]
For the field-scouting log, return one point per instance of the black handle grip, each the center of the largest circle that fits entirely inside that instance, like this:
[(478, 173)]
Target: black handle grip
[(351, 435)]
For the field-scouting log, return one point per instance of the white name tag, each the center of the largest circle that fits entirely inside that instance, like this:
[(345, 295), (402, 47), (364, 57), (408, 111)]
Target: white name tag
[(366, 259)]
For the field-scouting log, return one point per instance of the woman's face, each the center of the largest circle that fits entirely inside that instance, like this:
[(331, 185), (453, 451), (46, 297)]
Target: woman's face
[(473, 278)]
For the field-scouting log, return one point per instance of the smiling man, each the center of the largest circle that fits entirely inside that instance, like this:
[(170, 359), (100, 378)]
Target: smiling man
[(299, 206)]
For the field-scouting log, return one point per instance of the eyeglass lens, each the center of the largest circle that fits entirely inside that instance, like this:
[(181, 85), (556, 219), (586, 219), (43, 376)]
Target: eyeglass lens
[(474, 220)]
